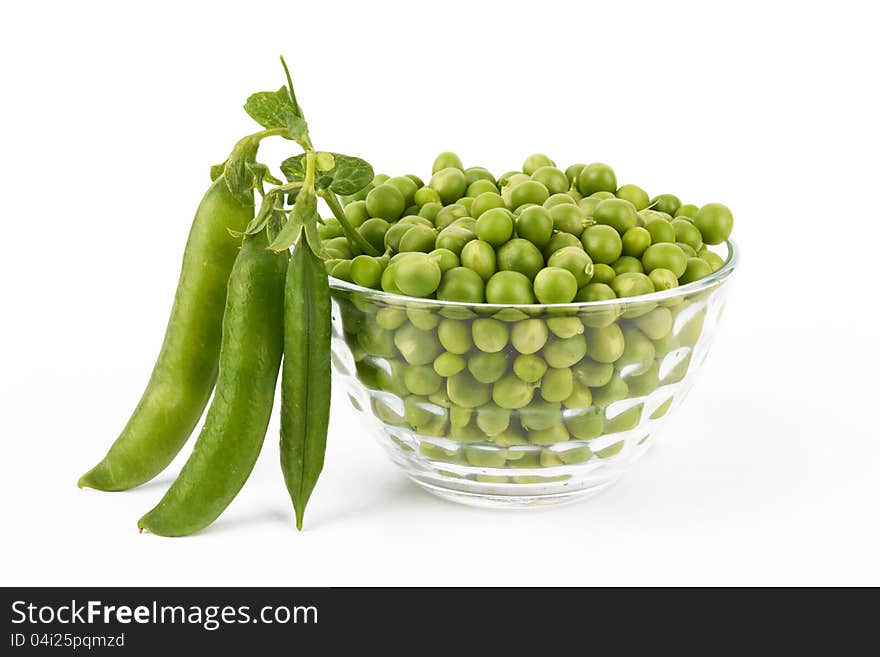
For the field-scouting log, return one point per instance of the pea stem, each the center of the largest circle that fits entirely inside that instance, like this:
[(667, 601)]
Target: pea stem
[(354, 237)]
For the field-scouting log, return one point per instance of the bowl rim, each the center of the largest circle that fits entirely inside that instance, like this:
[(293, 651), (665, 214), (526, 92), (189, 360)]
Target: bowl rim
[(714, 279)]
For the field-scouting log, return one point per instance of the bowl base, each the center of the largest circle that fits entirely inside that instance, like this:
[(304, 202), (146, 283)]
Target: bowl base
[(499, 500)]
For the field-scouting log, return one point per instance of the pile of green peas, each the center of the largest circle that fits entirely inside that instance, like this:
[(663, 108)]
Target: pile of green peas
[(539, 235), (512, 389)]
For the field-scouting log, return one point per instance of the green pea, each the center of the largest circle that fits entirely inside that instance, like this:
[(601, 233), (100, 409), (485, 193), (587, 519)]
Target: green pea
[(356, 213), (386, 414), (539, 414), (611, 450), (596, 177), (666, 345), (459, 416), (468, 223), (663, 279), (617, 213), (660, 231), (342, 270), (628, 419), (474, 174), (529, 335), (635, 195), (568, 219), (418, 239), (586, 424), (668, 203), (390, 318), (511, 392), (549, 436), (423, 318), (485, 457), (555, 285), (449, 183), (529, 191), (479, 187), (687, 210), (597, 292), (389, 377), (486, 201), (559, 240), (592, 373), (490, 335), (466, 434), (463, 389), (376, 341), (426, 195), (495, 226), (645, 383), (601, 274), (417, 411), (430, 210), (638, 353), (552, 178), (580, 396), (417, 276), (529, 367), (535, 161), (417, 347), (565, 327), (565, 352), (492, 419), (665, 256), (449, 364), (696, 269), (535, 225), (394, 234), (487, 367), (406, 186), (632, 284), (455, 336), (447, 215), (520, 255), (466, 202), (613, 391), (453, 238), (329, 229), (511, 438), (480, 257), (627, 265), (689, 251), (602, 195), (715, 223), (446, 159), (575, 260), (588, 205), (373, 230), (366, 271), (573, 171), (509, 287), (461, 284), (602, 243), (557, 384), (387, 281), (605, 344), (687, 233), (656, 323), (558, 199), (445, 259), (385, 202), (636, 241), (421, 379)]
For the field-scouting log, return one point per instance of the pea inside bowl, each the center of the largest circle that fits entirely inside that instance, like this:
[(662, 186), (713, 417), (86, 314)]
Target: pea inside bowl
[(520, 340), (522, 404)]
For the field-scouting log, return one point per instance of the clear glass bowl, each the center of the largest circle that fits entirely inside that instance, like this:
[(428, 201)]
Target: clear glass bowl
[(487, 436)]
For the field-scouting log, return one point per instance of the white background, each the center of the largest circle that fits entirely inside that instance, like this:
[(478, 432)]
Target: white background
[(113, 112)]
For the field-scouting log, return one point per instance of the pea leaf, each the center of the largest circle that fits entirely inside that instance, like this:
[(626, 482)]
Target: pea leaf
[(303, 214), (346, 174), (217, 171), (276, 109)]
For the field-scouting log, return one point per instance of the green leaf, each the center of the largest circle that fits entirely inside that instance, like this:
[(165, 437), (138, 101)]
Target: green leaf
[(287, 235), (347, 175), (275, 109), (217, 171), (262, 217), (303, 214)]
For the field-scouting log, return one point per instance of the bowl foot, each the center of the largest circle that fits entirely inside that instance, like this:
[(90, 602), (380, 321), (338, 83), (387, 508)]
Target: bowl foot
[(516, 496)]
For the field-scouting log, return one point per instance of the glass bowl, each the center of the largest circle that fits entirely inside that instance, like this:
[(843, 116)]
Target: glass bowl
[(529, 404)]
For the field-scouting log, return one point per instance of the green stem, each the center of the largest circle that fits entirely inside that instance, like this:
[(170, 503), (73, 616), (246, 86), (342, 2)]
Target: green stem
[(354, 238)]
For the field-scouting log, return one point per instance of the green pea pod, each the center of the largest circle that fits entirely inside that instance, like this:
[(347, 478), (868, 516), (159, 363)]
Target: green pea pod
[(235, 426), (305, 378), (186, 369)]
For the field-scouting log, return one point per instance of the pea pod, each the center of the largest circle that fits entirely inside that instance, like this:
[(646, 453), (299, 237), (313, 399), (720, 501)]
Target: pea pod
[(186, 369), (231, 439), (305, 379)]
